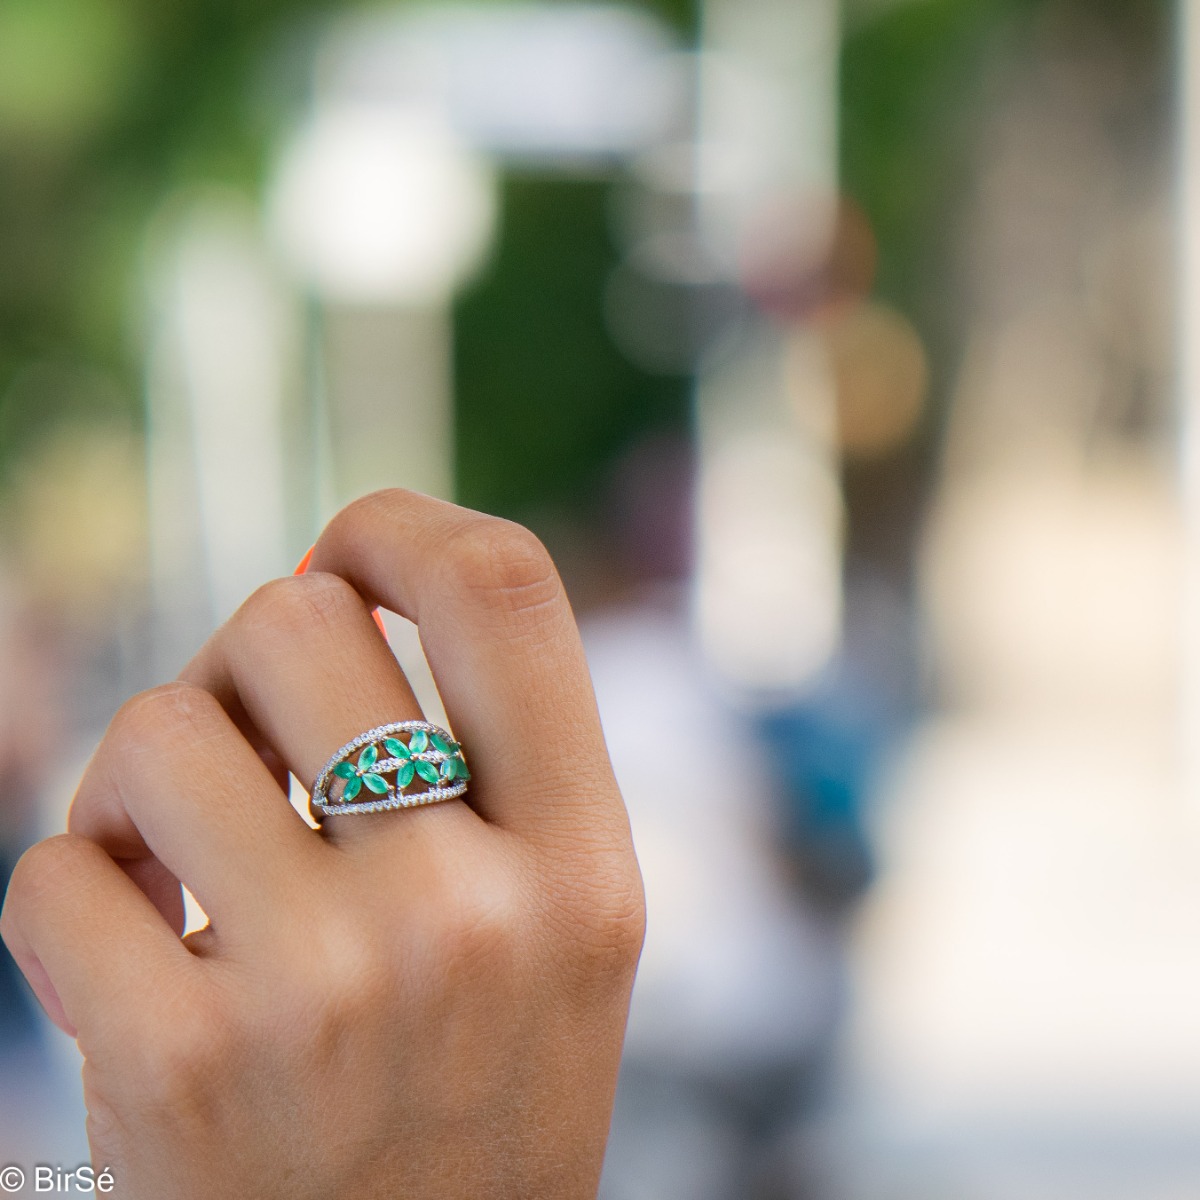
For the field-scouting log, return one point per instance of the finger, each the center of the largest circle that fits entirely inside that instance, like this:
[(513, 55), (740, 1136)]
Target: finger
[(304, 661), (302, 569), (160, 887), (501, 640), (173, 780), (89, 942)]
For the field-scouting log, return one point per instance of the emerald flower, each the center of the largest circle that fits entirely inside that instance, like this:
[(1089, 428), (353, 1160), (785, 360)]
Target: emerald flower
[(453, 766), (356, 776)]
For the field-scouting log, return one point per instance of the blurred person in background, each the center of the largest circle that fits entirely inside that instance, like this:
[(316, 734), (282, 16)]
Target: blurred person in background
[(748, 836)]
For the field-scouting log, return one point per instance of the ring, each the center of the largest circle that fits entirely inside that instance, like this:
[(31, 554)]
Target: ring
[(430, 757)]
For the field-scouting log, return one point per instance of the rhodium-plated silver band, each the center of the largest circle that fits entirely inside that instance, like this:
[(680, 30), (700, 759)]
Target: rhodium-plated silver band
[(400, 765)]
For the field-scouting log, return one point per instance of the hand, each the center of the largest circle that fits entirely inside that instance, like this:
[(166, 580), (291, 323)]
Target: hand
[(421, 1003)]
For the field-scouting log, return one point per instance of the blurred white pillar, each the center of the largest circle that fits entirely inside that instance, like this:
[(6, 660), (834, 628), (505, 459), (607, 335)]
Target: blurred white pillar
[(769, 510), (1189, 383), (220, 343), (768, 108), (389, 407), (769, 515), (381, 210), (383, 202)]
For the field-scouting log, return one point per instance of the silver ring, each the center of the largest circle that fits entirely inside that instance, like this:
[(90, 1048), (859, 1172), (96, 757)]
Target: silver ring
[(430, 757)]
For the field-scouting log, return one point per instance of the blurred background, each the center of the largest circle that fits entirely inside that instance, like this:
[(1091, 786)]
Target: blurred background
[(840, 352)]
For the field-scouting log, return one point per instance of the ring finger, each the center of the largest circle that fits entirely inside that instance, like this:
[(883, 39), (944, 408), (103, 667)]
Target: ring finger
[(304, 662)]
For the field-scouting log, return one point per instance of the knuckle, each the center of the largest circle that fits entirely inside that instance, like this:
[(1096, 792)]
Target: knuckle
[(614, 934), (183, 1057), (602, 914), (343, 968), (299, 603), (56, 855), (46, 865), (475, 923), (503, 564), (481, 919), (103, 1122), (359, 966), (161, 712), (369, 509)]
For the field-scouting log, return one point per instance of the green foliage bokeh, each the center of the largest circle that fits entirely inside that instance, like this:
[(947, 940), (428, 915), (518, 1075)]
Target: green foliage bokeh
[(106, 106)]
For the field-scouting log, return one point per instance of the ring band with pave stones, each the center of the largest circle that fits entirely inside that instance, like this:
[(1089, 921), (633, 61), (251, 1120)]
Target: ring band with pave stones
[(381, 767)]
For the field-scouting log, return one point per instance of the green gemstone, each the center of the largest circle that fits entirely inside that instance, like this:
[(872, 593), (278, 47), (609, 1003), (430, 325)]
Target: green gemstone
[(418, 742), (368, 758), (427, 771), (404, 776), (448, 768), (439, 743), (395, 748), (461, 770), (352, 788), (376, 783), (345, 770)]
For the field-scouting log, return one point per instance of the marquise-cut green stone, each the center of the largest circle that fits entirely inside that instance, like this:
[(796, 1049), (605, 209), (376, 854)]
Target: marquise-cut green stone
[(427, 771), (448, 768), (368, 758), (418, 742), (439, 743), (376, 783), (404, 776), (461, 770), (352, 788), (396, 749), (344, 770)]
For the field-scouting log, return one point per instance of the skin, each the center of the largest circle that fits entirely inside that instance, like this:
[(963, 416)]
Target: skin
[(424, 1003)]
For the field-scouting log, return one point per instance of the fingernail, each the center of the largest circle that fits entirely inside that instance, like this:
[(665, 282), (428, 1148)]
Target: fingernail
[(46, 993)]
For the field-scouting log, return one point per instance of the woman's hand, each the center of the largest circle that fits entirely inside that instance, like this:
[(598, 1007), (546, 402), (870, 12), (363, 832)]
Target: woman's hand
[(428, 1002)]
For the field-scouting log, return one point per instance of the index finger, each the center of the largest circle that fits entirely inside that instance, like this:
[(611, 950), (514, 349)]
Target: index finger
[(501, 640)]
